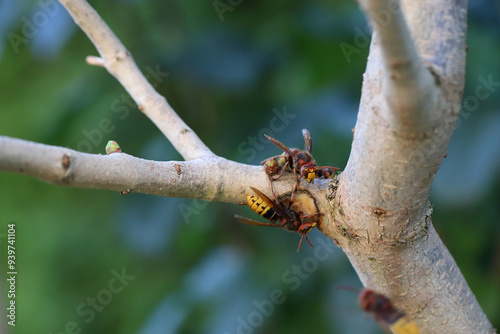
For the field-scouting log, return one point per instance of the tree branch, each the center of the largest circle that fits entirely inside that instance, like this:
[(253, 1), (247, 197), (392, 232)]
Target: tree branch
[(204, 176), (390, 168), (118, 61), (408, 88), (215, 179), (381, 210)]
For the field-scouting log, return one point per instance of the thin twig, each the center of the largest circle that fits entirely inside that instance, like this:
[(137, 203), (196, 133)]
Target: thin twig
[(119, 62), (96, 61)]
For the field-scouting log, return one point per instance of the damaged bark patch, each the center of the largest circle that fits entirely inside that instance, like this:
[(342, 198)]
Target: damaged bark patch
[(379, 212), (178, 169)]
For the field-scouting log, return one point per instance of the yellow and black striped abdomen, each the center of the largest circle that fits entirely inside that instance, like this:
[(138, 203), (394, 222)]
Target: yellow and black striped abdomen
[(404, 326), (260, 207)]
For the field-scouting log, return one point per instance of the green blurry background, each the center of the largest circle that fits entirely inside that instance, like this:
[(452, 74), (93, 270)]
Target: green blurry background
[(195, 269)]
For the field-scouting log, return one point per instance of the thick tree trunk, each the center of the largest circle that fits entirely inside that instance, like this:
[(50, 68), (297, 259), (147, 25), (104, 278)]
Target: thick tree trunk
[(381, 216)]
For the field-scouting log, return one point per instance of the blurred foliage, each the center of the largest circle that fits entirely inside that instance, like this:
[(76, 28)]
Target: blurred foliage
[(192, 267)]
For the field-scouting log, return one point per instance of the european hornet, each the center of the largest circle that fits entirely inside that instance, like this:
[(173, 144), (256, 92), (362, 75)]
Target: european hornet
[(276, 166), (302, 162), (385, 313), (279, 215)]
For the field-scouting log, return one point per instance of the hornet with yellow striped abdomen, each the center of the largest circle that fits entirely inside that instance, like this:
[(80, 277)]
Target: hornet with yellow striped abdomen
[(279, 215), (301, 162), (385, 313)]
